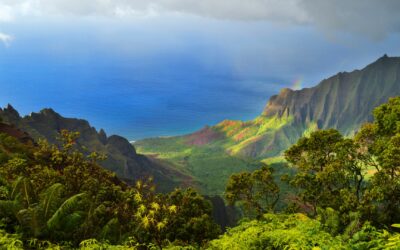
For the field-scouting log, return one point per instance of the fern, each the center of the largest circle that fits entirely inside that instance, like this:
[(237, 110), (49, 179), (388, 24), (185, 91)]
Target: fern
[(29, 219), (110, 228), (394, 240), (23, 187), (10, 241), (51, 198), (8, 208)]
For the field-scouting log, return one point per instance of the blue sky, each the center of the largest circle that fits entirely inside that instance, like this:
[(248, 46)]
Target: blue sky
[(156, 68)]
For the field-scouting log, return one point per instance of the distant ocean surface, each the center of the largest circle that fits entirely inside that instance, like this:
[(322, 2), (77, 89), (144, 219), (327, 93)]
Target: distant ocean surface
[(165, 76), (165, 95)]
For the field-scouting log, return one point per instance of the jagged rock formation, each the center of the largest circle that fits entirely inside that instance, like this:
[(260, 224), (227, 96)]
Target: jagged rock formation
[(343, 101), (121, 155)]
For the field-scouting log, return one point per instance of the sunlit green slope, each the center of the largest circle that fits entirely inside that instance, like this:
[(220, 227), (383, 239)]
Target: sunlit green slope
[(343, 101)]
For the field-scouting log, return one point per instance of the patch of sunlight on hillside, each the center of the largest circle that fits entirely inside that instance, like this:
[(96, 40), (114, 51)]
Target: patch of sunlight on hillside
[(261, 128), (311, 127), (269, 124), (273, 160)]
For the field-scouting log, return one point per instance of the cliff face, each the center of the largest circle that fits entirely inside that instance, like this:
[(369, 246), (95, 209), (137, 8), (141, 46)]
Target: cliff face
[(121, 155), (343, 101)]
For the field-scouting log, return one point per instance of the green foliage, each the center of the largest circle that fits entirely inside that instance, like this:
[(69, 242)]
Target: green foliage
[(233, 149), (10, 241), (294, 231), (331, 186), (205, 164), (381, 144), (257, 191), (66, 211), (52, 193), (330, 171), (297, 231)]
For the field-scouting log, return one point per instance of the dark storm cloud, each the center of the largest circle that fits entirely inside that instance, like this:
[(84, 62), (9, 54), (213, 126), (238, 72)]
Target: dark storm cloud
[(374, 18)]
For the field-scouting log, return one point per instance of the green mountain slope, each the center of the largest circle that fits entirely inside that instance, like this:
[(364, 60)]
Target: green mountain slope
[(343, 101)]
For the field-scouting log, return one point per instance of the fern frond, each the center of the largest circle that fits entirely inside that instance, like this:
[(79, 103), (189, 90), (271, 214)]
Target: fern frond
[(68, 207), (23, 187), (29, 219), (50, 199), (109, 228)]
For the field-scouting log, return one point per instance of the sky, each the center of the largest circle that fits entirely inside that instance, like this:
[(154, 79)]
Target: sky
[(167, 67)]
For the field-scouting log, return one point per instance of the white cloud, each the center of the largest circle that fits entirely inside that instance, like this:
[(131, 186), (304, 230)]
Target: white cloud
[(374, 18), (6, 13), (6, 39)]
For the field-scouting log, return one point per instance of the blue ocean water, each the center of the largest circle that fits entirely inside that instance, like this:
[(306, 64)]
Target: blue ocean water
[(133, 96), (166, 76)]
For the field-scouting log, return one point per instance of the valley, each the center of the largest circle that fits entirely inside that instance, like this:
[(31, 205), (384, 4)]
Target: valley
[(343, 101)]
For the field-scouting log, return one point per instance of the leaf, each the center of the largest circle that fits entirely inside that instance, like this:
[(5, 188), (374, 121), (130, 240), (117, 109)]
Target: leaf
[(68, 207), (110, 227), (22, 186), (50, 199)]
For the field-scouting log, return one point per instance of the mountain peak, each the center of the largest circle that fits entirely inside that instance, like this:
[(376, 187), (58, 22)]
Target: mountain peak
[(343, 101), (11, 110), (9, 114), (285, 91), (385, 59), (49, 112), (103, 136)]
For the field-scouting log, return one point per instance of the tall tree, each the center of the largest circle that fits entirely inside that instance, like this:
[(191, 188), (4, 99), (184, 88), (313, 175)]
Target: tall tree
[(381, 144), (256, 191), (330, 171)]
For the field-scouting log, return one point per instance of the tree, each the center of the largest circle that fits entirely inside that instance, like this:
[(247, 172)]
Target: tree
[(190, 217), (256, 191), (330, 171), (381, 144)]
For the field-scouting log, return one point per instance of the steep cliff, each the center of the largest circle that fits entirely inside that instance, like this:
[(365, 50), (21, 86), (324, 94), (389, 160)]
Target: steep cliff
[(343, 101)]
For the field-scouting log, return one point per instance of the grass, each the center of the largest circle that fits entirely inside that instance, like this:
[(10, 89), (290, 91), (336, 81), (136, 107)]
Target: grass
[(209, 166), (240, 147)]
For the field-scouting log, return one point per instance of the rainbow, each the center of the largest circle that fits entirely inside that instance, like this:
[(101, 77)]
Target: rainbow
[(297, 84)]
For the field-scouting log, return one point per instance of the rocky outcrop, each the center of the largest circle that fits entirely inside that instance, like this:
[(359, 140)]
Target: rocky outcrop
[(11, 130), (121, 155)]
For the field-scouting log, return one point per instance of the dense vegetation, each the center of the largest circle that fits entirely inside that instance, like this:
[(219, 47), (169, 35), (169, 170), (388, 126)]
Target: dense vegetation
[(56, 196), (203, 163), (345, 194)]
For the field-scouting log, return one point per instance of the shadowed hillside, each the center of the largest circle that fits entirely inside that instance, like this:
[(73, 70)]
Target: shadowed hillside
[(121, 155)]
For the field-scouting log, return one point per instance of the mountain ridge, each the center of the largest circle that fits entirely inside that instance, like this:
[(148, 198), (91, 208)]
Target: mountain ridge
[(343, 101), (343, 81), (121, 155)]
